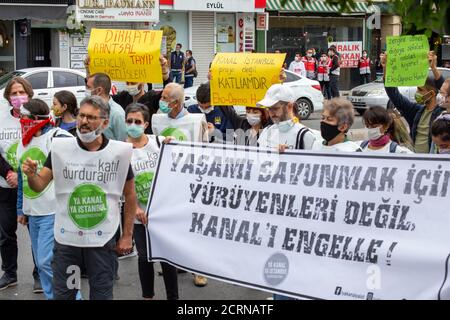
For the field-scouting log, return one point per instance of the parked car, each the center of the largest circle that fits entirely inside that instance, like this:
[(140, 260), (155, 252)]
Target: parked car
[(47, 81), (308, 95), (373, 93)]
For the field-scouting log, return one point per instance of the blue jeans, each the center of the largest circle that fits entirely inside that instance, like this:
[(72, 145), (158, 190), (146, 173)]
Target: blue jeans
[(188, 81), (176, 76), (42, 240)]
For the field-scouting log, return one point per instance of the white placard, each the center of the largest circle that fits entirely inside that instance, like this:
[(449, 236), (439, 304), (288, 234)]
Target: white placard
[(77, 65), (77, 57), (78, 50)]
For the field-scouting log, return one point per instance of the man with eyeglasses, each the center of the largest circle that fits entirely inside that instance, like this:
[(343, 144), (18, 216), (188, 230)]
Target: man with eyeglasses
[(91, 174)]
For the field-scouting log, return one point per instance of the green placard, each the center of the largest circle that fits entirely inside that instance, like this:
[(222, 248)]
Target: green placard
[(407, 61)]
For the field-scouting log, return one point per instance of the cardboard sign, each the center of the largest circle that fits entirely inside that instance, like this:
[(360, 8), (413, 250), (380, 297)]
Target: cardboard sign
[(126, 55), (243, 78), (407, 62)]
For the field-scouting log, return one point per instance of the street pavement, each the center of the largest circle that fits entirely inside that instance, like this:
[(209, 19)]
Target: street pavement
[(128, 286)]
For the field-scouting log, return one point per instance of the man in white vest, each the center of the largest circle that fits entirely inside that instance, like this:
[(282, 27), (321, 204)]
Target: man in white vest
[(286, 132), (91, 174), (174, 120)]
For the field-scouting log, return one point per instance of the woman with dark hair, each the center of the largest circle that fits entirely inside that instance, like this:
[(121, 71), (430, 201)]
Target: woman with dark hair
[(440, 131), (256, 120), (145, 156), (65, 110), (385, 134), (38, 209)]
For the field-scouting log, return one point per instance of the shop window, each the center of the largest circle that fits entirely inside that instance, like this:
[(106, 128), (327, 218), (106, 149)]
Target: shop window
[(38, 80)]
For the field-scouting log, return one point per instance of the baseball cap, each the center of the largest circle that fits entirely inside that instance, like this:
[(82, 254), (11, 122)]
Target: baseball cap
[(276, 93)]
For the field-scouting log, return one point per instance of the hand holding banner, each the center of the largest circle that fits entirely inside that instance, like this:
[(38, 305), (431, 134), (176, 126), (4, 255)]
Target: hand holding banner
[(407, 63), (243, 78), (126, 55)]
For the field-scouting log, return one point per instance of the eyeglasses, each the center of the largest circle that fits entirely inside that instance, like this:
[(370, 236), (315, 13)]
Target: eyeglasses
[(88, 117), (136, 121)]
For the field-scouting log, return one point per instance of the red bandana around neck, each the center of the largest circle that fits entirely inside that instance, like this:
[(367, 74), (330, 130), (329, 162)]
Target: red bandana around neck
[(30, 127)]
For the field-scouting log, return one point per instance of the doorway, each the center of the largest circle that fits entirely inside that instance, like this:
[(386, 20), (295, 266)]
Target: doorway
[(39, 46)]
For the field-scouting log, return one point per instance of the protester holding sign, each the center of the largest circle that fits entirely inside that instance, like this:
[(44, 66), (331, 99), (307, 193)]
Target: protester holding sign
[(286, 132), (419, 115), (337, 118), (143, 161), (38, 207), (222, 120), (383, 133), (91, 174), (99, 84)]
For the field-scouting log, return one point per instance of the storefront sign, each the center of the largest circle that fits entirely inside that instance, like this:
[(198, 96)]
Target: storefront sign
[(356, 226), (262, 21), (78, 50), (349, 52), (126, 55), (407, 64), (246, 32), (222, 5), (243, 79), (130, 10)]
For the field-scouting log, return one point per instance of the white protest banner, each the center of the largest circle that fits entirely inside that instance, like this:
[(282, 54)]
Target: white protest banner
[(307, 225), (349, 51)]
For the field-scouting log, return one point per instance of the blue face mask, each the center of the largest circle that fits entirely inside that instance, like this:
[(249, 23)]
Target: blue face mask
[(164, 106), (135, 131)]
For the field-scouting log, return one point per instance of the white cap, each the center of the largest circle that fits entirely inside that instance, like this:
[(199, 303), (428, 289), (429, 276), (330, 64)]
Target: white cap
[(276, 93)]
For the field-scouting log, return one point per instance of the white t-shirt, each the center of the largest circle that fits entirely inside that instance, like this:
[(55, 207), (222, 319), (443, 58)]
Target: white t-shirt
[(298, 68), (347, 146), (386, 149), (272, 137)]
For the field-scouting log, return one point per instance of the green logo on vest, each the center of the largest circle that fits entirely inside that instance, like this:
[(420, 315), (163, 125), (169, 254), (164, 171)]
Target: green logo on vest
[(11, 156), (35, 154), (143, 184), (88, 206), (176, 133)]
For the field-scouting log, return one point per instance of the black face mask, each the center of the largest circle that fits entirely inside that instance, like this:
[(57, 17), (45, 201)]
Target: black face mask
[(328, 131)]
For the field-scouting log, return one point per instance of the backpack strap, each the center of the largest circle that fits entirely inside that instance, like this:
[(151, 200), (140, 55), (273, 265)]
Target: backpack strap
[(300, 143), (364, 144), (393, 147)]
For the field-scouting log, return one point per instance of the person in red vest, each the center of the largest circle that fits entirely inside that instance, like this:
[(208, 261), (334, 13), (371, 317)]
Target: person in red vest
[(323, 75), (310, 64), (364, 68)]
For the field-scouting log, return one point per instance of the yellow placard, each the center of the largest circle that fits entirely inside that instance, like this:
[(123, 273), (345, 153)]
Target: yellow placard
[(242, 79), (126, 55)]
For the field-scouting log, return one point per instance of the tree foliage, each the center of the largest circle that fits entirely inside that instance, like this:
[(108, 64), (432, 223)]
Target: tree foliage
[(418, 16)]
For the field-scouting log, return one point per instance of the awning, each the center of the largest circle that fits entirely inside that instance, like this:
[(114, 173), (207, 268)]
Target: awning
[(54, 12), (316, 6)]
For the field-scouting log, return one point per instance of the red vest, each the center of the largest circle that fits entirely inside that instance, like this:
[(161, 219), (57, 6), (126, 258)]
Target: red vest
[(323, 70), (364, 66), (310, 64)]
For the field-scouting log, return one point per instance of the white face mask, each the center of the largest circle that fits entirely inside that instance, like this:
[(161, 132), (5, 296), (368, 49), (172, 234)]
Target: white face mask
[(133, 90), (309, 55), (207, 110), (374, 133), (440, 99), (253, 119), (88, 93), (285, 126), (297, 59), (90, 136)]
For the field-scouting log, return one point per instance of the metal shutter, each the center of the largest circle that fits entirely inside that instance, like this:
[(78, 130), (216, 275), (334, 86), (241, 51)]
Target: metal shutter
[(202, 43)]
